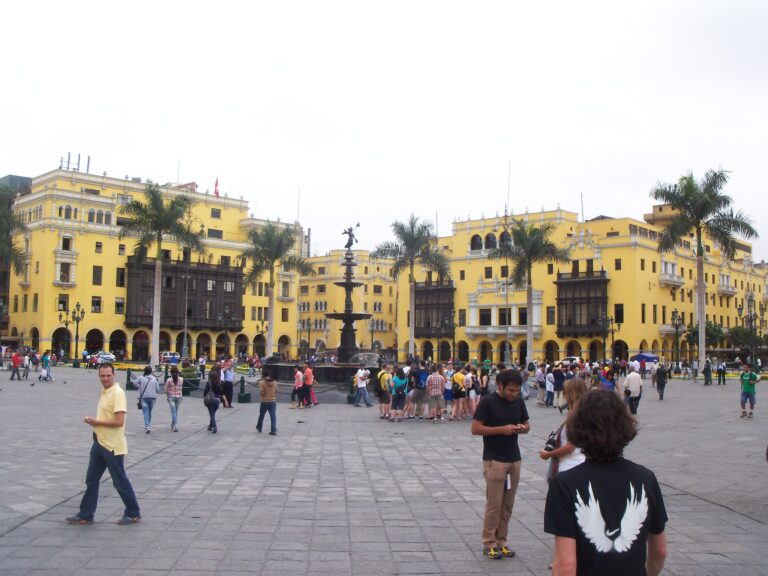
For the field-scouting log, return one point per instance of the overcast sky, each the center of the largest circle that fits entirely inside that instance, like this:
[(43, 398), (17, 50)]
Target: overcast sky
[(378, 109)]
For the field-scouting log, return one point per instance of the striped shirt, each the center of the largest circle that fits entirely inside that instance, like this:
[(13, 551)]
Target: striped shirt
[(173, 390), (435, 384)]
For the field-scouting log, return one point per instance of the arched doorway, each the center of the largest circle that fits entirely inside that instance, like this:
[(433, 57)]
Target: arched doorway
[(462, 351), (476, 242), (61, 340), (505, 352), (94, 341), (643, 346), (573, 348), (284, 347), (666, 350), (621, 350), (203, 346), (117, 341), (522, 352), (222, 345), (551, 351), (180, 343), (486, 351), (140, 346), (427, 351), (241, 345), (303, 349), (445, 351), (35, 335), (165, 341), (655, 347), (260, 345), (595, 348)]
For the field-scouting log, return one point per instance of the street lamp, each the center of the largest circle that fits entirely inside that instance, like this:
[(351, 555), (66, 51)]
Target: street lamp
[(505, 224), (677, 324), (752, 321), (77, 316), (607, 327)]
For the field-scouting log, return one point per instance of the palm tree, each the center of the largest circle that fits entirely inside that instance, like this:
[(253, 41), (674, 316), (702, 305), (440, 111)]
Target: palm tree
[(10, 223), (414, 243), (270, 248), (702, 207), (151, 220), (526, 245)]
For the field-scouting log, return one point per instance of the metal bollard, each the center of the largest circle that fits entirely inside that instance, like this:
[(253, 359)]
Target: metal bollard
[(243, 397)]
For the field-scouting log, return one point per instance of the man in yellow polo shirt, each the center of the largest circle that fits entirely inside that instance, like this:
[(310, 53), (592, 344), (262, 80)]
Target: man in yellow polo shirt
[(108, 452)]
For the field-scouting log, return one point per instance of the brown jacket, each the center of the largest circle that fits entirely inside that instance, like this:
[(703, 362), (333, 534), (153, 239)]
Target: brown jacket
[(268, 390)]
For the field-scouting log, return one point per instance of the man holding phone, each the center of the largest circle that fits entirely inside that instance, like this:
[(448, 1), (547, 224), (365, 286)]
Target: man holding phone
[(499, 418)]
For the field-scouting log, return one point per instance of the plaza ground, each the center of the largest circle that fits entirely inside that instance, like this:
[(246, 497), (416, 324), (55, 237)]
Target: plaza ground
[(340, 491)]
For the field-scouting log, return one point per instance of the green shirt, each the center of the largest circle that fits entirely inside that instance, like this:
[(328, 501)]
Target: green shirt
[(748, 381)]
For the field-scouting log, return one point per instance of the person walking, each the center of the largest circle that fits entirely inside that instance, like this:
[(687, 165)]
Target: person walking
[(661, 379), (108, 452), (228, 377), (213, 395), (707, 372), (541, 384), (15, 365), (607, 514), (268, 395), (362, 387), (499, 419), (297, 394), (720, 372), (633, 389), (201, 365), (748, 380), (148, 389), (399, 385), (309, 386), (173, 392)]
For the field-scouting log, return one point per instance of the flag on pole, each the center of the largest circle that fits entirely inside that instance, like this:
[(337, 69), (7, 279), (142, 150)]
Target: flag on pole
[(216, 187)]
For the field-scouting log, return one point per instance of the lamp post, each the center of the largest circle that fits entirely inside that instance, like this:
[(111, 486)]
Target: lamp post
[(752, 320), (77, 316), (607, 327), (677, 324), (505, 224)]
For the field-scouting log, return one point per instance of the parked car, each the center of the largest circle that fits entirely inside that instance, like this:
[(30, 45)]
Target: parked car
[(568, 360), (165, 357), (101, 356)]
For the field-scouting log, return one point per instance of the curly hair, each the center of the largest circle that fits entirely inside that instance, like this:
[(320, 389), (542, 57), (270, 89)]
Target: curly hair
[(601, 426)]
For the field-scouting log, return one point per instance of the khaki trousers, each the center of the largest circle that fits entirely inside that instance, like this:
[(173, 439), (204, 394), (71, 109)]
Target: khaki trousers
[(498, 500)]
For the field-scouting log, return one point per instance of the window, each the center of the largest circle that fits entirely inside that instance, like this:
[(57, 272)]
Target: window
[(505, 316), (642, 264), (64, 269), (550, 268), (390, 308), (488, 272), (214, 233), (590, 267), (91, 215), (285, 289), (34, 302), (365, 306), (119, 305), (663, 314), (304, 290), (461, 274), (550, 315), (98, 248), (169, 281), (108, 218), (462, 317), (321, 270), (210, 285), (653, 266), (62, 304), (229, 286), (504, 271), (66, 245), (215, 212), (253, 312), (321, 288), (485, 317), (120, 277), (655, 310), (366, 270), (377, 289), (24, 302), (617, 264), (96, 304), (121, 249), (225, 261), (166, 255), (284, 314), (642, 313), (618, 313), (16, 303), (522, 316)]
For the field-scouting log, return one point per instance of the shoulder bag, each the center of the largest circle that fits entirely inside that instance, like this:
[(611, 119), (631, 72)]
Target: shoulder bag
[(553, 443)]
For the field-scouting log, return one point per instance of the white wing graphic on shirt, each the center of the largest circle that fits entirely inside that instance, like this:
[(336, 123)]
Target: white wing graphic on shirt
[(592, 524)]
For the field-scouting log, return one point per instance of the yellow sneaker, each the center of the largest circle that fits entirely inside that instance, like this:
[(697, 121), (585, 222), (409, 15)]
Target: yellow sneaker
[(506, 552), (492, 553)]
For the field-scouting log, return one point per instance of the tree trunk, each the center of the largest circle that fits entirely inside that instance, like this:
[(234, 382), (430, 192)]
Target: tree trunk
[(412, 313), (701, 305), (154, 355), (529, 327), (270, 314)]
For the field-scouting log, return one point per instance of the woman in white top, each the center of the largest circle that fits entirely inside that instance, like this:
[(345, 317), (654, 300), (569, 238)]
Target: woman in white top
[(567, 454)]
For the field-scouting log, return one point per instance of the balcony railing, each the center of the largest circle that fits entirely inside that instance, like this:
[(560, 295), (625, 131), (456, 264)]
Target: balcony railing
[(726, 290), (583, 275), (671, 280)]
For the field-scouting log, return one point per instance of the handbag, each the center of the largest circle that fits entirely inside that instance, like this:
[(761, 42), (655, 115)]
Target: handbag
[(208, 398), (143, 389), (553, 442)]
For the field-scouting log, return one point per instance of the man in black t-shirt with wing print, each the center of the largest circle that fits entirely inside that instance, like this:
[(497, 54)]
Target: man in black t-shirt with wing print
[(499, 418), (607, 514)]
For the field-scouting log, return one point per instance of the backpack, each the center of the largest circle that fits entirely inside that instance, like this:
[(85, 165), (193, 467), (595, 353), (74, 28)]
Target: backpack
[(383, 380)]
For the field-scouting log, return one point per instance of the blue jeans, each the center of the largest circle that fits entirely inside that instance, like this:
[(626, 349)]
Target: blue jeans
[(146, 407), (212, 411), (550, 401), (101, 460), (174, 402), (362, 393), (270, 407)]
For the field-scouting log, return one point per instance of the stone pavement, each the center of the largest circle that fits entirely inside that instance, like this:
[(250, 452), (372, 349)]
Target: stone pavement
[(340, 491)]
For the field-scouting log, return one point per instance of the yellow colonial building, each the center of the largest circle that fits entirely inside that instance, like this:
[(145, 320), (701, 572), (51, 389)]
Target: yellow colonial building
[(318, 295), (617, 289), (75, 257)]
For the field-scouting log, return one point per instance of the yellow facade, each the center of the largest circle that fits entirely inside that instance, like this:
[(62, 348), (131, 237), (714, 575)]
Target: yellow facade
[(318, 294), (75, 255), (643, 288)]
